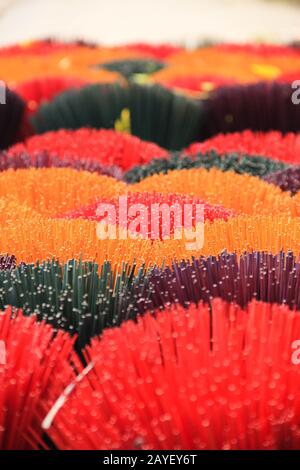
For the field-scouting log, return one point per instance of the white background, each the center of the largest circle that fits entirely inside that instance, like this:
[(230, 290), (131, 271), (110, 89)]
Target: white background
[(119, 21)]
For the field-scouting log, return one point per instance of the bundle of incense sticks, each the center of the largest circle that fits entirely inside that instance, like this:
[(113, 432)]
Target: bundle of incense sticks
[(149, 248)]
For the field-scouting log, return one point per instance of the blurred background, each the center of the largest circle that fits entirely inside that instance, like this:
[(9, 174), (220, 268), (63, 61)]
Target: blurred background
[(185, 22)]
